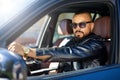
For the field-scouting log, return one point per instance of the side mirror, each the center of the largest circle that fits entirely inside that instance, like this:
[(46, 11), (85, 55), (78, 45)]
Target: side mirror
[(12, 66)]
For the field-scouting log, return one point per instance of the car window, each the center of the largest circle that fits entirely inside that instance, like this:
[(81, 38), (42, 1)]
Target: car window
[(29, 37)]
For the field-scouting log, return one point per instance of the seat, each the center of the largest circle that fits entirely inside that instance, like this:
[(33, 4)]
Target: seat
[(65, 30), (102, 28)]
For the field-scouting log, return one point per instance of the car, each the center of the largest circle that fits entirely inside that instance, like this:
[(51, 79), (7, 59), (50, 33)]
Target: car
[(35, 23)]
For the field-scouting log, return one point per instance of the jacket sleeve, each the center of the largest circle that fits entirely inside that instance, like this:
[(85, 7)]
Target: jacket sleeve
[(87, 49)]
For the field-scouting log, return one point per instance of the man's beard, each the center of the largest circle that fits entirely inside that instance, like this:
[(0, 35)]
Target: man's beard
[(79, 36)]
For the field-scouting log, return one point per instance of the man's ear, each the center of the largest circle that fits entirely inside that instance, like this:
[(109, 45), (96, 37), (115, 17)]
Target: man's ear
[(92, 26)]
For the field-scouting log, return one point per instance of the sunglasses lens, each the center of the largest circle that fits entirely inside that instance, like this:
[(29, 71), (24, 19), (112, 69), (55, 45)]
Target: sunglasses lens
[(82, 25), (73, 25)]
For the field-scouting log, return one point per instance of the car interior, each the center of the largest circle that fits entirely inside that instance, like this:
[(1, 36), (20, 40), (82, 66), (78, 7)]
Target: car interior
[(101, 17)]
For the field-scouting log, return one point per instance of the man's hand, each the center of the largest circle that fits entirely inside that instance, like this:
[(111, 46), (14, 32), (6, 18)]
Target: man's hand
[(17, 48)]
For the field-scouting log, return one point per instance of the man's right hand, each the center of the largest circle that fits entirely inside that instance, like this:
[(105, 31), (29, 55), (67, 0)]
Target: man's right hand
[(17, 48)]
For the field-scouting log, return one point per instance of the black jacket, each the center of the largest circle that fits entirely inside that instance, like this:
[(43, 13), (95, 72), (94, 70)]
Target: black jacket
[(87, 49)]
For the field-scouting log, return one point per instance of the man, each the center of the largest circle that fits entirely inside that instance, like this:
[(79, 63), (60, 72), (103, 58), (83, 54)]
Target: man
[(86, 47)]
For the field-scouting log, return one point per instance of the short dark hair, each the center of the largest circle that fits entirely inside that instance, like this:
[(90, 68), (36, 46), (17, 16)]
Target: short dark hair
[(82, 13)]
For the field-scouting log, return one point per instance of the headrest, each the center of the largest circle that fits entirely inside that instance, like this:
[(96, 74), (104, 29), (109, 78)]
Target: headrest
[(64, 27), (102, 27)]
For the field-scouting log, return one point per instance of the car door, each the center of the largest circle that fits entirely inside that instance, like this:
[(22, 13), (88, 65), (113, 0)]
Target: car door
[(99, 73), (52, 9)]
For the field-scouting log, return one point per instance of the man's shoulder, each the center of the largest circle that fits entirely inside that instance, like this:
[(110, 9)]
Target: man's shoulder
[(92, 38), (95, 37)]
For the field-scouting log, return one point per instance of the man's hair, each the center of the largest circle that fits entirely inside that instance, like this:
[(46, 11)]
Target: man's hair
[(82, 13)]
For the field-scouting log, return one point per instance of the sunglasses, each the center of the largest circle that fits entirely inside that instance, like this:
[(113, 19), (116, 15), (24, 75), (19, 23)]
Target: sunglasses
[(81, 24)]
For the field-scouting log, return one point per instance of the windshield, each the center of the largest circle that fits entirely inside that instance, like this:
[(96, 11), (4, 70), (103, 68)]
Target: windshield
[(10, 8)]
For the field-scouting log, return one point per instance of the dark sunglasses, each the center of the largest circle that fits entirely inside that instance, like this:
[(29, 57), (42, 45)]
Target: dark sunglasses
[(81, 24)]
